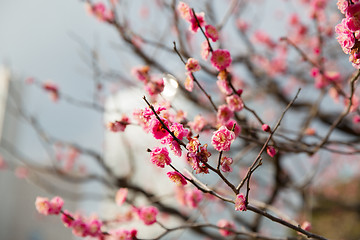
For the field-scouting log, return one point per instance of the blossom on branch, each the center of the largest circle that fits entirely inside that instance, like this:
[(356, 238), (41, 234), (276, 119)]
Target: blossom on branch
[(222, 139), (160, 157), (221, 59)]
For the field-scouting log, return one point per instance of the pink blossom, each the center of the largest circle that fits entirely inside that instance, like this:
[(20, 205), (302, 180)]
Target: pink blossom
[(119, 126), (225, 227), (46, 207), (211, 32), (230, 125), (192, 65), (271, 151), (342, 5), (306, 226), (52, 89), (177, 178), (220, 59), (193, 145), (198, 160), (157, 129), (155, 86), (194, 25), (79, 228), (179, 131), (345, 37), (101, 13), (189, 82), (43, 205), (121, 234), (56, 204), (356, 119), (141, 73), (198, 124), (235, 103), (242, 25), (222, 139), (67, 218), (224, 114), (205, 50), (265, 128), (160, 157), (240, 202), (193, 198), (94, 228), (223, 86), (148, 214), (184, 10), (120, 196), (226, 164)]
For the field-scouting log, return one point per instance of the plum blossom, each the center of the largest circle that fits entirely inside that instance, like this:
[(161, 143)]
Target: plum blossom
[(224, 114), (189, 82), (240, 202), (226, 164), (222, 224), (222, 139), (160, 157), (177, 178), (120, 196), (235, 103), (46, 207), (220, 59), (193, 198), (148, 214), (271, 151), (205, 50), (265, 128), (119, 126), (211, 32), (192, 65), (230, 125), (157, 129), (122, 234)]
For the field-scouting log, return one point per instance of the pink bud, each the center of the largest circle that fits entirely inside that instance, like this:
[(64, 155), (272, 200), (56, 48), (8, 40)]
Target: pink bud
[(265, 128)]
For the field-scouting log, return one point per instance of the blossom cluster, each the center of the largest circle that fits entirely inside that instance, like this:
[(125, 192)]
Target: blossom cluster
[(348, 31)]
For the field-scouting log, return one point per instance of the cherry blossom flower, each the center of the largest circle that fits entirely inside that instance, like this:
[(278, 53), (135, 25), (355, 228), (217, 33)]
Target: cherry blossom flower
[(189, 82), (120, 196), (226, 164), (56, 204), (119, 126), (155, 86), (306, 226), (235, 103), (198, 124), (43, 205), (192, 65), (220, 59), (271, 151), (67, 218), (148, 214), (193, 198), (193, 145), (141, 73), (230, 125), (122, 234), (240, 202), (224, 114), (205, 50), (177, 178), (184, 10), (160, 157), (94, 228), (211, 32), (222, 139), (79, 228), (157, 129), (194, 25), (46, 207), (222, 224)]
